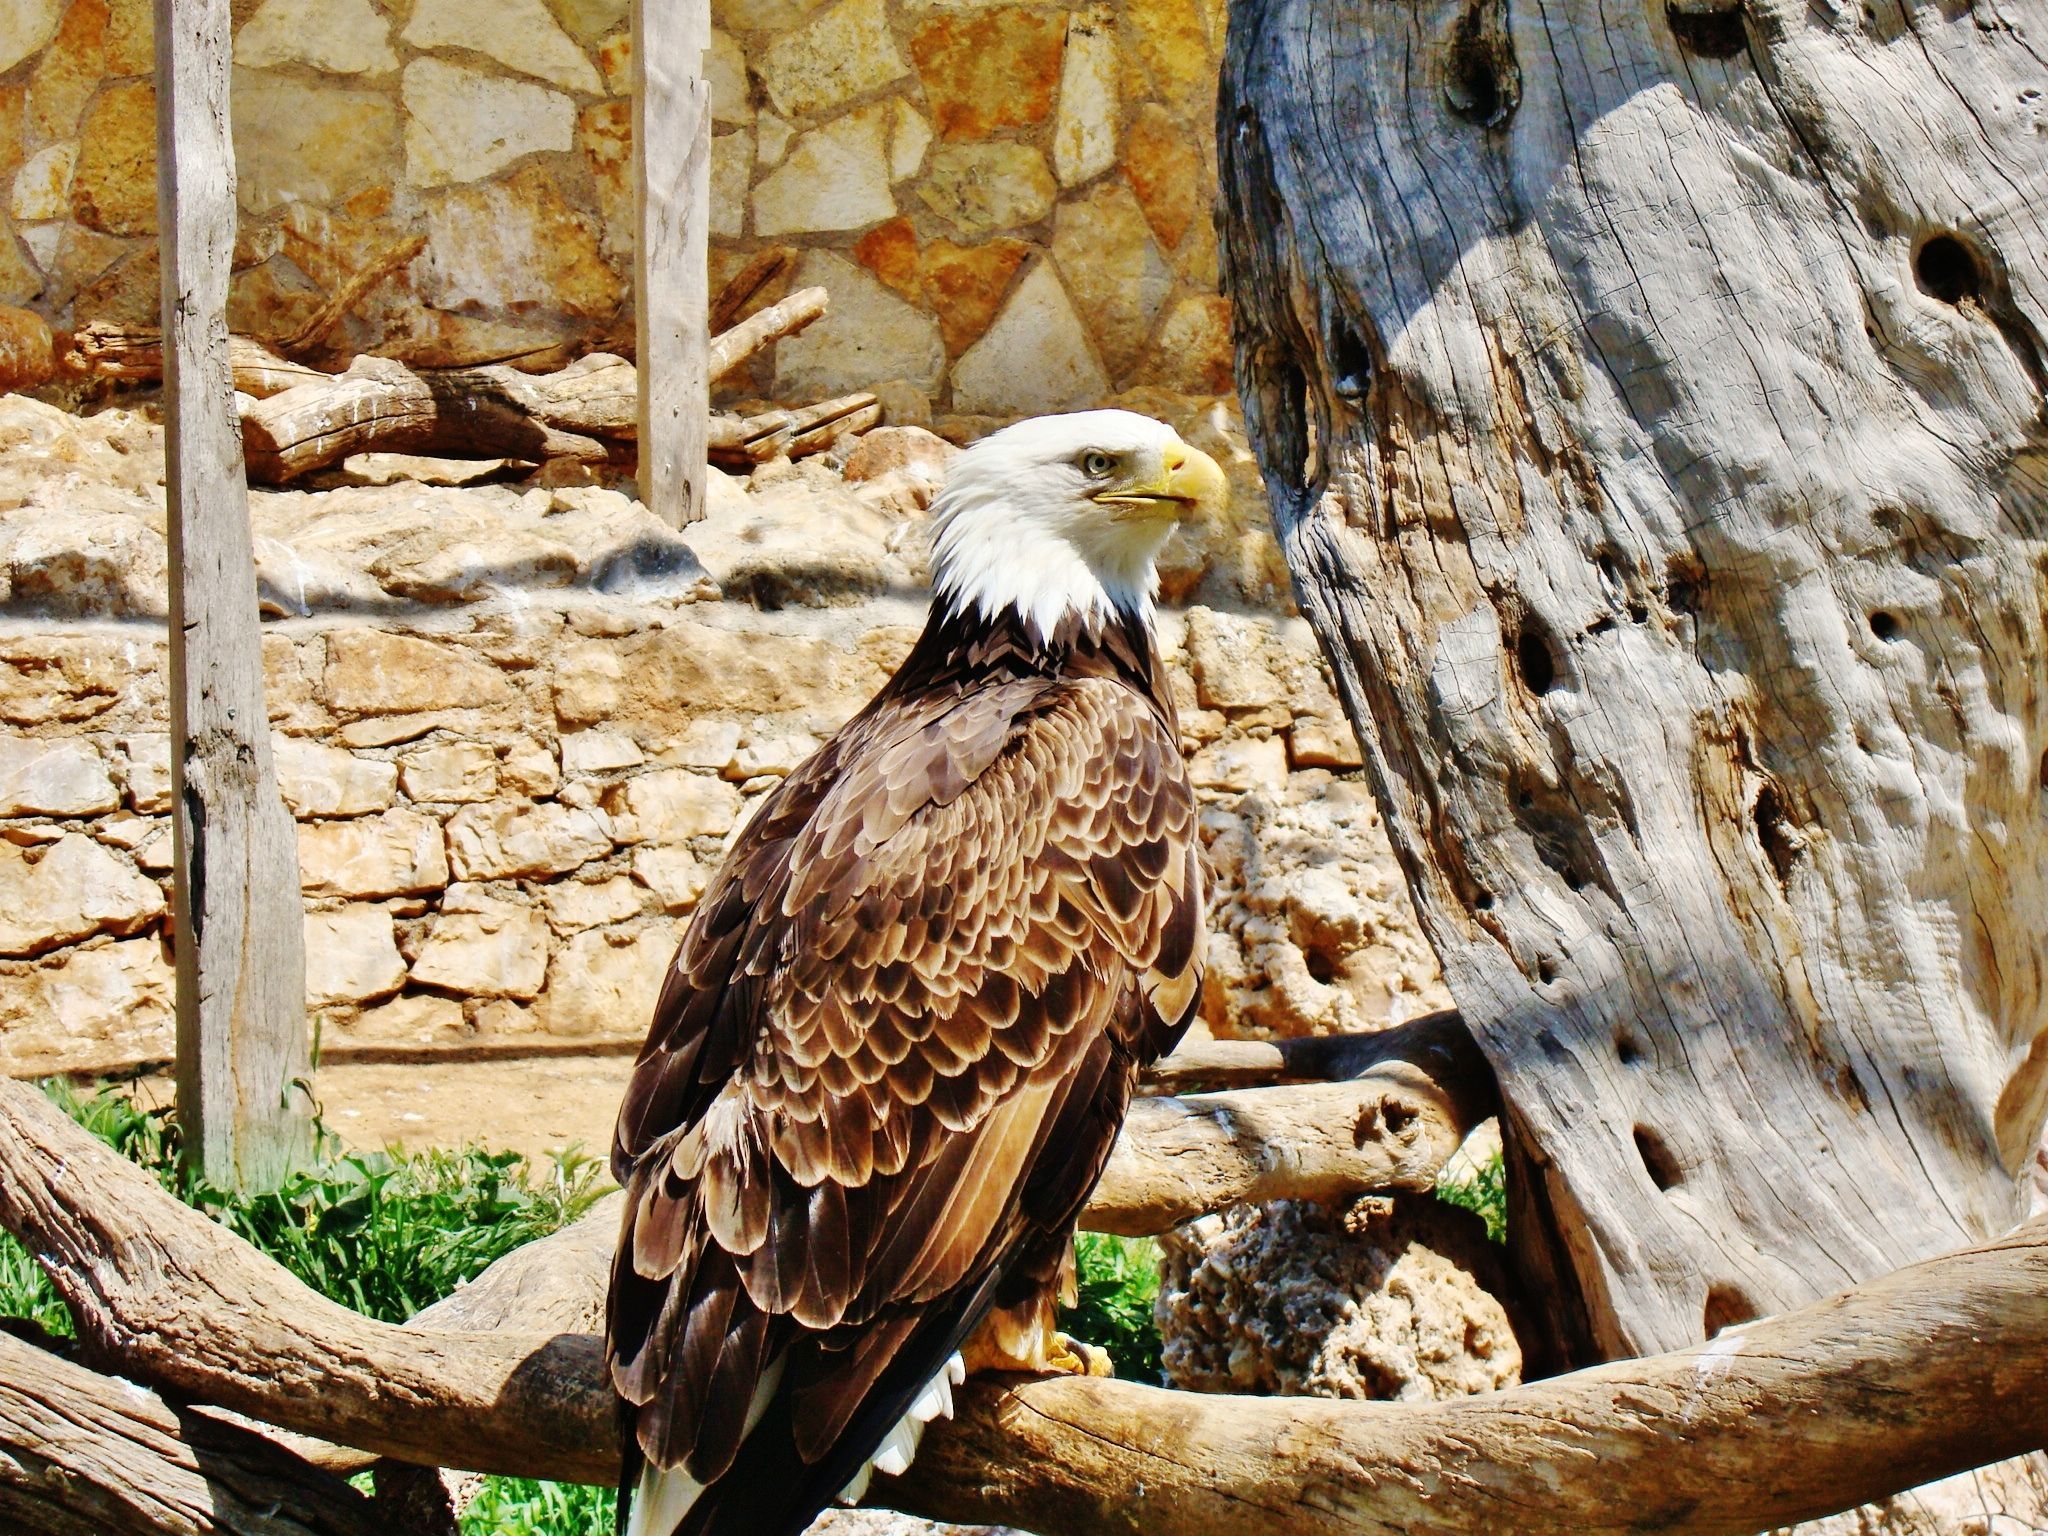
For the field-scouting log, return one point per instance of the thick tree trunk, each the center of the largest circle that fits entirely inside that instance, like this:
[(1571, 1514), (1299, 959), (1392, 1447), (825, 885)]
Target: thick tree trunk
[(1651, 403)]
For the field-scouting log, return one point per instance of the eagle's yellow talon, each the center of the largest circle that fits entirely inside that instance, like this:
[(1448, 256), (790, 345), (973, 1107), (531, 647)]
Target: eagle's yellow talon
[(1077, 1357)]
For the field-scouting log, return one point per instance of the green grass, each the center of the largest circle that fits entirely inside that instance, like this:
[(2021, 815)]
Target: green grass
[(1485, 1193), (1119, 1282), (518, 1506)]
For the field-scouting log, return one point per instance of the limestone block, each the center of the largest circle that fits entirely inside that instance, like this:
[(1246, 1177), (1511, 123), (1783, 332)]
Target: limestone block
[(472, 570), (671, 805), (771, 751), (1172, 38), (506, 840), (48, 679), (671, 874), (587, 681), (1194, 348), (725, 66), (42, 187), (1084, 134), (1315, 742), (909, 137), (20, 282), (967, 284), (604, 982), (589, 20), (462, 124), (499, 951), (398, 853), (599, 752), (67, 891), (1112, 269), (298, 141), (833, 177), (842, 53), (113, 185), (519, 34), (703, 743), (146, 771), (319, 780), (732, 173), (1240, 765), (351, 955), (88, 1010), (988, 69), (574, 905), (90, 564), (981, 188), (1165, 170), (898, 450), (129, 41), (526, 767), (771, 138), (869, 333), (25, 27), (456, 772), (69, 70), (336, 37), (63, 776), (515, 244), (1235, 659), (370, 672), (419, 1018), (1033, 358)]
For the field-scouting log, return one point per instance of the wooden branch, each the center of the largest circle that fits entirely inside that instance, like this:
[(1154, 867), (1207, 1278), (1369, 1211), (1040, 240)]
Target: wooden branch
[(163, 1294), (1930, 1371), (103, 349), (352, 293), (86, 1455), (763, 268), (1438, 1042), (783, 318), (1915, 1376), (796, 432), (242, 1040)]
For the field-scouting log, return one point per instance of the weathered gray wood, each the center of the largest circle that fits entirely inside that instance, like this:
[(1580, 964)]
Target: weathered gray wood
[(672, 298), (86, 1455), (1925, 1372), (1651, 404), (242, 1046)]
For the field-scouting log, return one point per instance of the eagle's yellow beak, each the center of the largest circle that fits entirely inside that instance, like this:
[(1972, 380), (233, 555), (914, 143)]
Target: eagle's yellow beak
[(1189, 482)]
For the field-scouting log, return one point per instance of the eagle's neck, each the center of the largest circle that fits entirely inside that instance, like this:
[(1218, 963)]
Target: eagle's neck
[(963, 645)]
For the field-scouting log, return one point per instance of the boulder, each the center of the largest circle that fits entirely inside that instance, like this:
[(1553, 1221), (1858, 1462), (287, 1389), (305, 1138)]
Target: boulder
[(69, 890)]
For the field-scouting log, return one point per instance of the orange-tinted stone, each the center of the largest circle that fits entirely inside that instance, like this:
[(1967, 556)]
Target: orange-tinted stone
[(967, 284), (1194, 351), (130, 293), (1165, 170), (988, 70), (130, 38), (113, 188), (70, 69), (890, 252), (1173, 41), (13, 130)]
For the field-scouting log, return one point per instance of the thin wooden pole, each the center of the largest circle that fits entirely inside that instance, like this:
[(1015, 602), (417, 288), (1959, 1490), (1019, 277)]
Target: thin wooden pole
[(672, 156), (240, 941)]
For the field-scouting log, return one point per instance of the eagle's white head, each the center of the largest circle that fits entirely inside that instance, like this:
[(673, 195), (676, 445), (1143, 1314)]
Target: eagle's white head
[(1066, 515)]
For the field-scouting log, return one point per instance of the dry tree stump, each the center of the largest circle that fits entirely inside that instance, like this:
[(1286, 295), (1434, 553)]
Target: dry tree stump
[(1651, 403)]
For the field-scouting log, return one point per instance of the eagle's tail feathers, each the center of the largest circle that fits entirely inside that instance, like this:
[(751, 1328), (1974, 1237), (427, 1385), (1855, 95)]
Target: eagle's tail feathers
[(660, 1500), (893, 1456)]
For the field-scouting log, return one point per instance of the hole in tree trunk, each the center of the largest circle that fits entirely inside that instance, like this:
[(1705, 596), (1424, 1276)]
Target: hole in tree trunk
[(1350, 362), (2044, 770), (1657, 1159), (1884, 625), (1627, 1049), (1726, 1307), (1781, 844), (1715, 34), (1482, 80), (1532, 655), (1947, 269)]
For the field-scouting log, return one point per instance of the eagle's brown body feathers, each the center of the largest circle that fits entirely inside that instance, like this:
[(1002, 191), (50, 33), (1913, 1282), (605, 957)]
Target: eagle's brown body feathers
[(894, 1051)]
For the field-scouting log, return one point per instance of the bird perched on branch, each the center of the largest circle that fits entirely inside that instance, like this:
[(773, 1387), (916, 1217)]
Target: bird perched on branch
[(898, 1040)]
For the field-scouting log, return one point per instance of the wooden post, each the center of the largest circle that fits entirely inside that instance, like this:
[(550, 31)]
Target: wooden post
[(240, 940), (672, 156)]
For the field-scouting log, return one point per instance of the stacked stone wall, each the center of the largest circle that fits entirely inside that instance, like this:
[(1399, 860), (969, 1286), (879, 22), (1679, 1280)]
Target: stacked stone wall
[(1010, 203), (518, 727)]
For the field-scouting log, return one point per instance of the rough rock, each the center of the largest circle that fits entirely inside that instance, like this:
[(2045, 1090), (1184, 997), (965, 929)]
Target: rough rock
[(1035, 356), (1113, 270), (833, 177), (146, 771), (574, 905), (841, 53), (42, 187), (725, 66), (512, 244), (1239, 765), (909, 137), (25, 27), (88, 1009), (87, 564), (1084, 136), (519, 34), (732, 173), (1194, 349), (1166, 172), (336, 37), (70, 890), (113, 186), (988, 69), (982, 188), (672, 875), (396, 854), (351, 956), (370, 672), (493, 949), (671, 805), (604, 982), (300, 141), (869, 333), (1389, 1299), (456, 772), (53, 778), (586, 752), (417, 1019), (514, 839), (319, 780), (70, 70), (463, 124), (966, 283), (1173, 41)]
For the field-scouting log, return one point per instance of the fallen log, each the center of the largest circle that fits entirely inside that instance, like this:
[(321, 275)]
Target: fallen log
[(763, 268), (1437, 1042), (1921, 1374), (793, 433), (89, 1455), (103, 349), (783, 318)]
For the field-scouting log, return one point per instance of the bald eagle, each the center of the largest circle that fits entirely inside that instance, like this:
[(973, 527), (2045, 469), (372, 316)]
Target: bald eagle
[(900, 1035)]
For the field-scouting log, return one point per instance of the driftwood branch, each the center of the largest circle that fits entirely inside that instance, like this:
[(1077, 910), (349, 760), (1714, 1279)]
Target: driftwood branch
[(1436, 1042), (763, 268), (88, 1455), (792, 433), (1921, 1374), (783, 318)]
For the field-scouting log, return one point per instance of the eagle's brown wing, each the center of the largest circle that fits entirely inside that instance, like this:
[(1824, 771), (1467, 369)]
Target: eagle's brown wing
[(887, 1068)]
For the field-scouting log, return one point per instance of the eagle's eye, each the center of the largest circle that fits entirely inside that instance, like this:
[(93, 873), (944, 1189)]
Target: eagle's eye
[(1096, 465)]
